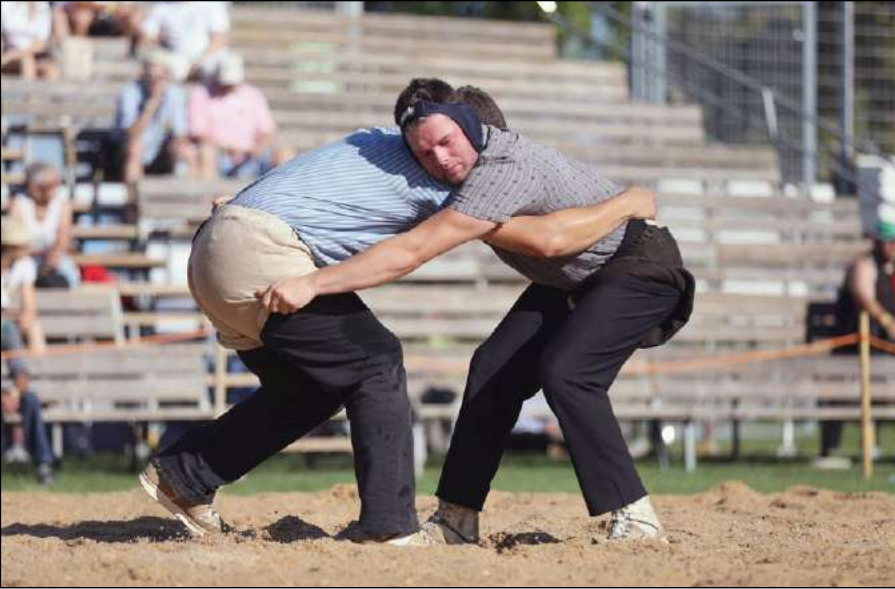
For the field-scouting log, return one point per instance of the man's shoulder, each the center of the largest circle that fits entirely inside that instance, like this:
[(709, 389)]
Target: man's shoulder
[(251, 93), (382, 138), (510, 145)]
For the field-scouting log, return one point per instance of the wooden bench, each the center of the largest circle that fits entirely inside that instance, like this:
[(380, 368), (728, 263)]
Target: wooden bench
[(138, 386), (118, 232), (85, 315)]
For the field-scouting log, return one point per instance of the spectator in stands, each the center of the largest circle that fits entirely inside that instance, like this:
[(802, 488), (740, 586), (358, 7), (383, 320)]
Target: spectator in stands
[(27, 29), (46, 213), (19, 274), (194, 31), (869, 286), (151, 121), (233, 126), (103, 19), (20, 315)]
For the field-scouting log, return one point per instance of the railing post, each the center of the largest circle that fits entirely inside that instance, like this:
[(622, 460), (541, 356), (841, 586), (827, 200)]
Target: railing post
[(809, 94), (847, 86), (867, 433)]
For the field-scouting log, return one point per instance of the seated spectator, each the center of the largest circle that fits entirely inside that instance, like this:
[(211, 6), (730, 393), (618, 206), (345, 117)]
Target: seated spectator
[(869, 286), (19, 303), (46, 214), (103, 19), (151, 121), (28, 436), (196, 32), (27, 30), (233, 126)]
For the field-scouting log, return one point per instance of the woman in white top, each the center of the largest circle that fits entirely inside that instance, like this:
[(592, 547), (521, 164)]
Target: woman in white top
[(46, 214)]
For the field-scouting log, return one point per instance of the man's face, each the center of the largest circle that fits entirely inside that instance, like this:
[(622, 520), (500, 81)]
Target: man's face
[(442, 148), (888, 248)]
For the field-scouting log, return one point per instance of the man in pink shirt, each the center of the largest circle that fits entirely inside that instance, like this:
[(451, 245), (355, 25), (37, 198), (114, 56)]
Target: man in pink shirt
[(233, 126)]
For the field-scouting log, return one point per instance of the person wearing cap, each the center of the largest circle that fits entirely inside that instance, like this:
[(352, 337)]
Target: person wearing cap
[(869, 285), (315, 210), (232, 125), (151, 122), (569, 333), (19, 275), (29, 437)]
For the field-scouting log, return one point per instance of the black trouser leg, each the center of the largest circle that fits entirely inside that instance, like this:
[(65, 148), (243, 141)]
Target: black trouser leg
[(577, 369), (502, 374), (288, 405), (333, 352)]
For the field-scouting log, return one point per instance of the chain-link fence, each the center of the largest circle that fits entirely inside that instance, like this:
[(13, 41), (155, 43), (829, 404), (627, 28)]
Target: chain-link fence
[(829, 63)]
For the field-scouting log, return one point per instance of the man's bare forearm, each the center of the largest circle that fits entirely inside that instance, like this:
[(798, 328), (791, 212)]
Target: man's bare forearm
[(571, 231), (135, 131)]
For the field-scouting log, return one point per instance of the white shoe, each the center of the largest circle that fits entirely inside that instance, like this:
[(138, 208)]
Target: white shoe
[(636, 521), (16, 455), (832, 462)]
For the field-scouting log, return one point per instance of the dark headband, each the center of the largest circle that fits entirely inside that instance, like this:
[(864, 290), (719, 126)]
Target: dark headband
[(461, 113)]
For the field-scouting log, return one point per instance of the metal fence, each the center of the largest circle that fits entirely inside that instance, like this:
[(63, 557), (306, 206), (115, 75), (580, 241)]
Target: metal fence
[(829, 67)]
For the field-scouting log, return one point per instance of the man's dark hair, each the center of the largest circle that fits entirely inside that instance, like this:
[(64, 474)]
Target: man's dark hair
[(488, 111), (420, 89), (436, 90)]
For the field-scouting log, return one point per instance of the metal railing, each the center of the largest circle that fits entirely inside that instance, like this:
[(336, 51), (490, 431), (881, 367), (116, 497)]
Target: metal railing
[(650, 78)]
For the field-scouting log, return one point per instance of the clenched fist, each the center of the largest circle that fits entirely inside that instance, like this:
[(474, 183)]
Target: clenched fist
[(288, 295)]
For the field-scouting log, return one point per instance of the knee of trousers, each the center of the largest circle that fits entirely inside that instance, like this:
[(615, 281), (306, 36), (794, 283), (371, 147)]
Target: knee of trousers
[(483, 367), (561, 376), (386, 352)]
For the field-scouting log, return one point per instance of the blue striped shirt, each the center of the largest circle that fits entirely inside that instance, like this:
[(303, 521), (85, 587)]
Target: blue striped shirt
[(348, 195)]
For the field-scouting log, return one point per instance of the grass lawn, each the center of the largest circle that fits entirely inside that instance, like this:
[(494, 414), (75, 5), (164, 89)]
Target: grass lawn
[(759, 468)]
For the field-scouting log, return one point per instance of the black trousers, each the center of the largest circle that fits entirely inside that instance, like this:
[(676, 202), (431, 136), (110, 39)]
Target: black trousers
[(333, 353), (574, 355)]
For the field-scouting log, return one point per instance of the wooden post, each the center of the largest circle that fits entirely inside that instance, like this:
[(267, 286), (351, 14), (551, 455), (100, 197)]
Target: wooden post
[(867, 432), (220, 379)]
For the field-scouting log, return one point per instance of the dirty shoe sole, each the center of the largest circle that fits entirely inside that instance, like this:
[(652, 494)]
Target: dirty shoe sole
[(155, 493)]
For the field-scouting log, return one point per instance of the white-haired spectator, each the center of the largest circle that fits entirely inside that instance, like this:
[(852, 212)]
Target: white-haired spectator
[(151, 120), (233, 126), (27, 30), (46, 214), (194, 31)]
